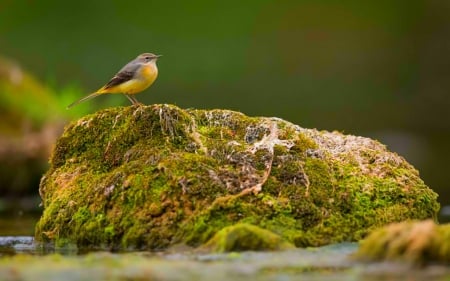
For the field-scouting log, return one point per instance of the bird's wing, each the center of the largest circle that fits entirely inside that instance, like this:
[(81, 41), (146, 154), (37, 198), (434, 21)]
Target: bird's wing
[(124, 75), (119, 78)]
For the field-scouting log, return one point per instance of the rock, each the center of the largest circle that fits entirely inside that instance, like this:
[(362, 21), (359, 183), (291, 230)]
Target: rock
[(415, 242), (246, 237), (149, 177)]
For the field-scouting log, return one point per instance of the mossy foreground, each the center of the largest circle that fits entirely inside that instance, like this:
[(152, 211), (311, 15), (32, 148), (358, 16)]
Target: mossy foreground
[(148, 177), (417, 243)]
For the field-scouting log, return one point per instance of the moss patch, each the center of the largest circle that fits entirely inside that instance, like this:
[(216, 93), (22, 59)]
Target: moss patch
[(413, 242), (246, 237), (153, 176)]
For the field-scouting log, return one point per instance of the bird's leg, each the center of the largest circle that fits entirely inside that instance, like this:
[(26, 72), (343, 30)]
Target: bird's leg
[(135, 100), (129, 98), (132, 99)]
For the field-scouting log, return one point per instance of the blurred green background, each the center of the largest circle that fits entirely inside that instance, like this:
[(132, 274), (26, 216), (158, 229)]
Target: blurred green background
[(379, 69)]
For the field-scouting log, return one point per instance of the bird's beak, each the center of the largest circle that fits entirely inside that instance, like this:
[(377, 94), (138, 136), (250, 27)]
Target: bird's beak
[(157, 56)]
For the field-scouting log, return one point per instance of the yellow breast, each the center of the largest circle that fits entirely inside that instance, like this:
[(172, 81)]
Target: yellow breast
[(143, 79)]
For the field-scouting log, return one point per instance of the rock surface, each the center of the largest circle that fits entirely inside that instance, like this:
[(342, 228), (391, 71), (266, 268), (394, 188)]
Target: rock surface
[(149, 177)]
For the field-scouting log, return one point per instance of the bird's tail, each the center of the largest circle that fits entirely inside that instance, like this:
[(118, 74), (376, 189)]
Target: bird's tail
[(93, 95)]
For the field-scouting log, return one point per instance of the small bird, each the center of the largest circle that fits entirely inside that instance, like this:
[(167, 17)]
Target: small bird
[(133, 78)]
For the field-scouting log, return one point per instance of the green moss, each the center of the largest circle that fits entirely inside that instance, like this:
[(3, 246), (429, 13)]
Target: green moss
[(246, 237), (152, 176), (414, 242)]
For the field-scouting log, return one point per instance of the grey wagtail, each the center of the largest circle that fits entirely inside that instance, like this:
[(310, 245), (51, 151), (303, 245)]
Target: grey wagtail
[(134, 77)]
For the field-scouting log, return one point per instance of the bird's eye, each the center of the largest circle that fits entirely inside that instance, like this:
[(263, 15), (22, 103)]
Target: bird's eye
[(147, 58)]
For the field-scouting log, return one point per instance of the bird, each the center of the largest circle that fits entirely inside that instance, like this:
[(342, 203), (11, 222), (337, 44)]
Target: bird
[(133, 78)]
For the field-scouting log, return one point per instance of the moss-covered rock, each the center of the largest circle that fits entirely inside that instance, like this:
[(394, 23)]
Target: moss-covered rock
[(246, 237), (414, 242), (153, 176)]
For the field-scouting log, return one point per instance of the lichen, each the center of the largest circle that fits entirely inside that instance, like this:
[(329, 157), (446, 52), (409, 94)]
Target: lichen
[(154, 176)]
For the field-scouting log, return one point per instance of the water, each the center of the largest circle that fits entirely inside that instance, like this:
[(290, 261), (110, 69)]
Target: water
[(29, 261), (18, 223), (23, 259), (326, 263)]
